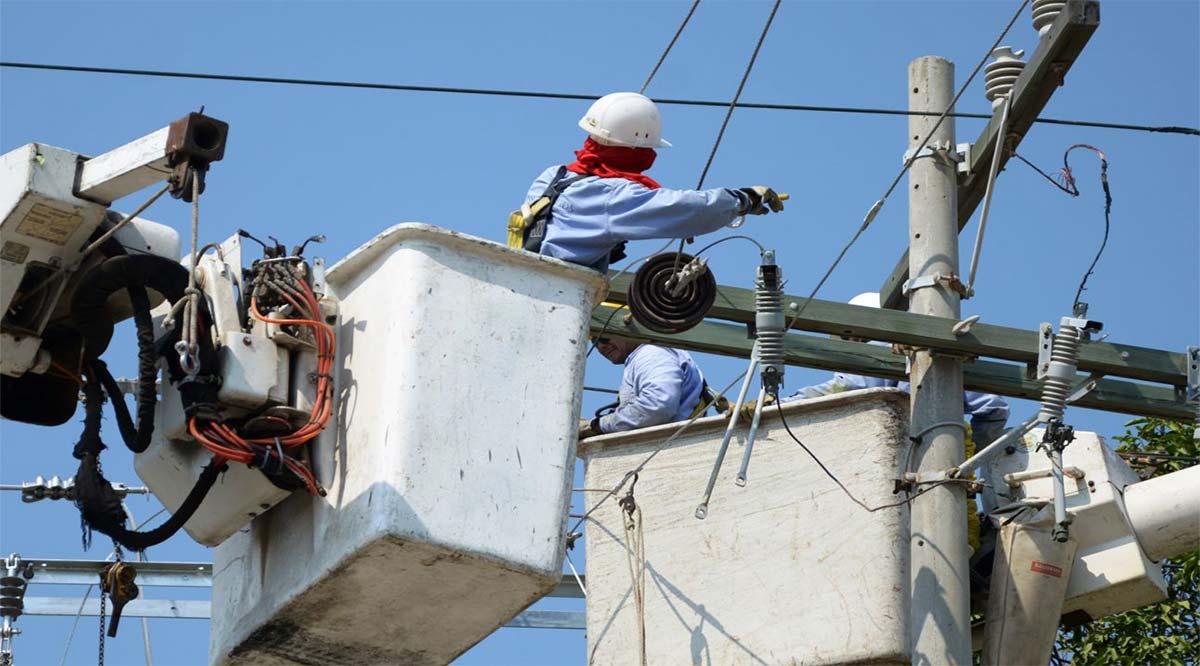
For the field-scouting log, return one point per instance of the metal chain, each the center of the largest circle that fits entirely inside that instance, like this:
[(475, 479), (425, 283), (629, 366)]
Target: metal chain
[(103, 609)]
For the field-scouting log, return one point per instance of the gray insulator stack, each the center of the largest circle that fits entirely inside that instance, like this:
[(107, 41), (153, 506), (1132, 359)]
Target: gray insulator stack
[(1060, 376), (769, 322), (1002, 73), (1044, 13)]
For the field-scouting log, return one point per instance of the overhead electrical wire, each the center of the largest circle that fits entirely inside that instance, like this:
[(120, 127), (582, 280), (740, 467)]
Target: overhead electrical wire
[(670, 45), (499, 92)]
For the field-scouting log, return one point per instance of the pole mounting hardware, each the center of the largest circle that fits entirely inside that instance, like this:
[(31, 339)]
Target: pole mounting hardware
[(950, 281)]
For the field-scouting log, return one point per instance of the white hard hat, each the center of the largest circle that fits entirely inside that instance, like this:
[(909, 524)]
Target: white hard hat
[(625, 119), (867, 299)]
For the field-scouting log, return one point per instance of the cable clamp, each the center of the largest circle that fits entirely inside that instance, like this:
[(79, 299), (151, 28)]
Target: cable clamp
[(912, 480), (950, 281), (1193, 373), (956, 155)]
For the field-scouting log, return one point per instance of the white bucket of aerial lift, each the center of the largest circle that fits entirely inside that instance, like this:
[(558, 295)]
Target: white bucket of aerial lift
[(44, 226), (458, 383), (785, 570), (1111, 572)]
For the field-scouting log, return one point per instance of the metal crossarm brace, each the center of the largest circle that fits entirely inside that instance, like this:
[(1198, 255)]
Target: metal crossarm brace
[(1047, 67)]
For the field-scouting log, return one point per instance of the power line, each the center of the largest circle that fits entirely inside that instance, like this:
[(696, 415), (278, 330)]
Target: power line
[(498, 92), (670, 45), (878, 205)]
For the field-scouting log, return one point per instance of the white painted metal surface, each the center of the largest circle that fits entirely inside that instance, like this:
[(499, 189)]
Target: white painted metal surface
[(786, 570), (125, 169), (1111, 573), (44, 226), (1165, 513), (169, 467), (460, 366)]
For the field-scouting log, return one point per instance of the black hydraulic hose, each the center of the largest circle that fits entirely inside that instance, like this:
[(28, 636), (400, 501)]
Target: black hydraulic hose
[(99, 504), (137, 439), (124, 421), (90, 302), (143, 540)]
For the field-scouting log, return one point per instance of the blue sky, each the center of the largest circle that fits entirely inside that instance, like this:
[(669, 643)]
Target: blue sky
[(349, 163)]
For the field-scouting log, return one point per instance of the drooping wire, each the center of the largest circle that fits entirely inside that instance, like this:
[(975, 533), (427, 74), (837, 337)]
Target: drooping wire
[(534, 94), (704, 249), (878, 205), (1065, 181), (832, 477), (670, 45)]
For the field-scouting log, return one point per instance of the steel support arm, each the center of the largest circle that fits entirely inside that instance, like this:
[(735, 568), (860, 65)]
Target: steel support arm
[(875, 361), (1045, 71), (194, 139), (1011, 344)]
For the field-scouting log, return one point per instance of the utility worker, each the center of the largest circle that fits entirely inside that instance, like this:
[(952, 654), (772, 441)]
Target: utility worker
[(659, 385), (988, 413), (584, 211)]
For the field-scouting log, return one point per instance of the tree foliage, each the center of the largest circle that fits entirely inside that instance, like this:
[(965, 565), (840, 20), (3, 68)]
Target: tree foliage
[(1167, 632)]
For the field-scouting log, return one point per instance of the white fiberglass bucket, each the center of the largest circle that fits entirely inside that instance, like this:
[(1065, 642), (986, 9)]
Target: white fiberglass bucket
[(786, 570), (460, 366)]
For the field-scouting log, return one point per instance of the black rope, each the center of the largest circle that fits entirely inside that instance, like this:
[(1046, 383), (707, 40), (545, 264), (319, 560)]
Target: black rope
[(670, 45), (1162, 129)]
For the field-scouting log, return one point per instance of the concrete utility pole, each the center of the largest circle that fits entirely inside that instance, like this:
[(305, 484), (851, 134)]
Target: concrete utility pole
[(940, 613)]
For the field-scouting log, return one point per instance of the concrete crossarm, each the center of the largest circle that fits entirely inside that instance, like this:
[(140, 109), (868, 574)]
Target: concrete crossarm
[(983, 340), (871, 360)]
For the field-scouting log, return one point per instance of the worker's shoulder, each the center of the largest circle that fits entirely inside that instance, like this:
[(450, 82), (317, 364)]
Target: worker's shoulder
[(647, 353)]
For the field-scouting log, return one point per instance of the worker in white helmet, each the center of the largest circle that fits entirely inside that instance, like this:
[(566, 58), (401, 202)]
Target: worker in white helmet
[(581, 212), (988, 413)]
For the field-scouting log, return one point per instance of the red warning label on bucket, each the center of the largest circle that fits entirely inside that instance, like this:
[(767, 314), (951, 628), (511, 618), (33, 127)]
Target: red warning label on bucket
[(1046, 568)]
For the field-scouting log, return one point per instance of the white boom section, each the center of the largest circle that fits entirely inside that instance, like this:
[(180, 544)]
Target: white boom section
[(1165, 513)]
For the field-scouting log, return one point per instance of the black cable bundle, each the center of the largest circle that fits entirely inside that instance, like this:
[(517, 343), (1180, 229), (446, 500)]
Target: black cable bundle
[(100, 506)]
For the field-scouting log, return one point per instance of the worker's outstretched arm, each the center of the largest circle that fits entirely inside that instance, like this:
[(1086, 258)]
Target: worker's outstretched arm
[(655, 380), (840, 382), (638, 213)]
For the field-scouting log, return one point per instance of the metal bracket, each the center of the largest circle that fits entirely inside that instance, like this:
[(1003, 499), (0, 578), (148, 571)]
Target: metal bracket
[(319, 286), (950, 281), (944, 152), (1045, 346), (1193, 373)]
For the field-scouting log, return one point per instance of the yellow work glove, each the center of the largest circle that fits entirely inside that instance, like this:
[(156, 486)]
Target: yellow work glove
[(762, 200), (746, 413), (589, 428)]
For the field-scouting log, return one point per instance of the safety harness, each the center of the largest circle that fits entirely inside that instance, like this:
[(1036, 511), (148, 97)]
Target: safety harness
[(527, 226)]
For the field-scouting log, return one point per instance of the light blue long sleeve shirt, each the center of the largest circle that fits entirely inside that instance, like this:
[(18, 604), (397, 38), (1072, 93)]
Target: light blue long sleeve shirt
[(659, 385), (595, 214), (988, 412)]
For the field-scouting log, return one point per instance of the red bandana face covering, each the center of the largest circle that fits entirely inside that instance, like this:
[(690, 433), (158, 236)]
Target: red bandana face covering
[(615, 162)]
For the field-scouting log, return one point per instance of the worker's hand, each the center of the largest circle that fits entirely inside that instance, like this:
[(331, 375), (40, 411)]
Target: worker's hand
[(747, 411), (589, 428), (762, 198)]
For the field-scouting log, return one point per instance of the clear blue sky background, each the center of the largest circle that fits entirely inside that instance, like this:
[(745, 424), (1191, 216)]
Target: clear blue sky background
[(349, 163)]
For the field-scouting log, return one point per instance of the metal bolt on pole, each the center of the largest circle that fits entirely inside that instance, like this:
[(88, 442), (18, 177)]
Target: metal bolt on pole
[(940, 631)]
